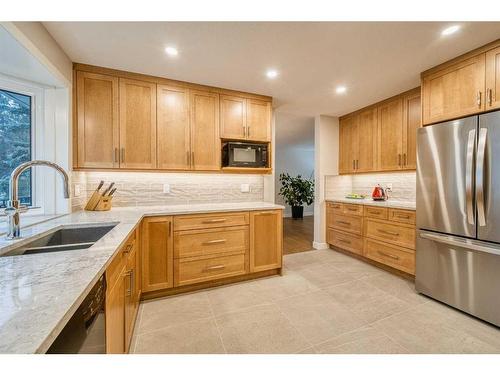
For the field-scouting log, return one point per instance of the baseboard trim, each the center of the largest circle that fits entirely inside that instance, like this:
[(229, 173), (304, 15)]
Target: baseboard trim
[(320, 245)]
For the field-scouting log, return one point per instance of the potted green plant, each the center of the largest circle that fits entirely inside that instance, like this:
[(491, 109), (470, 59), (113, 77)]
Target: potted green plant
[(296, 191)]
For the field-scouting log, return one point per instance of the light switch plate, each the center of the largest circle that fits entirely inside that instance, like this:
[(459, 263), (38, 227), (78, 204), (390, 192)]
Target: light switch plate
[(245, 188), (166, 188), (78, 190)]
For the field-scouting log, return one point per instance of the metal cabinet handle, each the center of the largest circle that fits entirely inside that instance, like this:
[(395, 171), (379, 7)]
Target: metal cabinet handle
[(212, 242), (478, 98), (388, 232), (343, 222), (353, 164), (471, 142), (489, 96), (214, 268), (122, 152), (403, 216), (188, 159), (481, 150), (211, 221), (388, 255), (127, 249), (399, 160), (128, 292), (461, 242), (404, 159), (352, 209), (248, 131), (169, 228), (357, 164)]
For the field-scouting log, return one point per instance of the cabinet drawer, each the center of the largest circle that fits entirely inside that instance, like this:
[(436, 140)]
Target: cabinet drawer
[(188, 222), (402, 216), (335, 207), (376, 212), (196, 270), (394, 256), (345, 241), (120, 260), (397, 234), (353, 209), (210, 241), (351, 224)]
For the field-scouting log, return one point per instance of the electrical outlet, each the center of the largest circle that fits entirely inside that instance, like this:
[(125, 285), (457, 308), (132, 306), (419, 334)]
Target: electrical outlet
[(166, 188), (245, 188), (78, 190), (389, 186)]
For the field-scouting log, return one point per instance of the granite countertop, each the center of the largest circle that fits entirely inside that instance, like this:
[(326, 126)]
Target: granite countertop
[(40, 292), (406, 205)]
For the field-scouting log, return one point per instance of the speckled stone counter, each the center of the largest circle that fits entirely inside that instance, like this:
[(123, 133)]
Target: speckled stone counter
[(406, 205), (40, 292)]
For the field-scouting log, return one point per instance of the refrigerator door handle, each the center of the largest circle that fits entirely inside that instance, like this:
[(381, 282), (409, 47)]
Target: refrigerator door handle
[(461, 242), (481, 150), (469, 177)]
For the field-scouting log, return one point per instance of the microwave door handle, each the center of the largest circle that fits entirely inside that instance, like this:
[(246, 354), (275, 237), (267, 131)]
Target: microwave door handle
[(469, 177), (480, 170)]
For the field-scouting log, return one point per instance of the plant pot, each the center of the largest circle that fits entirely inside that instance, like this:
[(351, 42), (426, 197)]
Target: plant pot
[(297, 212)]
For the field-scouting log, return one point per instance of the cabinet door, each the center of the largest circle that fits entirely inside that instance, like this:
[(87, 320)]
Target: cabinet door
[(173, 135), (205, 141), (266, 240), (97, 121), (258, 120), (137, 124), (232, 117), (390, 135), (115, 316), (157, 254), (411, 122), (493, 78), (348, 130), (366, 141), (455, 91)]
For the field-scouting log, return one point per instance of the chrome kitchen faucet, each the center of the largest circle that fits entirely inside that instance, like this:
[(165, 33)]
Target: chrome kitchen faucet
[(14, 207)]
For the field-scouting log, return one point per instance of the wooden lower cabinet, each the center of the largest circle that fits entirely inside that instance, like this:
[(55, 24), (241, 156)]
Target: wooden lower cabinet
[(387, 235), (157, 254), (115, 316), (266, 240)]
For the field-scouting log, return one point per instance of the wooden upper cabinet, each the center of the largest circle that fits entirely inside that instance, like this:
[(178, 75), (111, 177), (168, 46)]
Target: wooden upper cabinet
[(390, 135), (364, 139), (258, 120), (205, 140), (455, 91), (97, 132), (157, 253), (412, 120), (347, 132), (233, 117), (493, 79), (173, 130), (266, 236), (137, 124)]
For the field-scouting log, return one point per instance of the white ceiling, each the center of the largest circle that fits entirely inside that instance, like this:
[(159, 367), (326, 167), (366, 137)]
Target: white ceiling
[(374, 60)]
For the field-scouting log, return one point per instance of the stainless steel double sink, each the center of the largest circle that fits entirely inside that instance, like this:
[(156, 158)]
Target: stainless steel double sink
[(65, 239)]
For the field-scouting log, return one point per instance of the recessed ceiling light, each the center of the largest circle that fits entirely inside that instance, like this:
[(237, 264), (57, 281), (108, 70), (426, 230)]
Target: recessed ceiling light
[(171, 51), (341, 90), (450, 30), (272, 73)]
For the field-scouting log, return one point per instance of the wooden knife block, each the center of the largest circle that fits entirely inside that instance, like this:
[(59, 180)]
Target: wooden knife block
[(104, 204)]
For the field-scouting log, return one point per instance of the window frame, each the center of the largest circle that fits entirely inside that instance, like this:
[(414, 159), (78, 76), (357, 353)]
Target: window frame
[(37, 130)]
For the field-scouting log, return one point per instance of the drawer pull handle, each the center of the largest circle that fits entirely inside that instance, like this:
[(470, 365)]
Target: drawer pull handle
[(214, 268), (403, 216), (388, 232), (388, 255), (374, 212), (344, 241), (212, 242), (211, 221), (127, 249), (352, 209), (343, 222)]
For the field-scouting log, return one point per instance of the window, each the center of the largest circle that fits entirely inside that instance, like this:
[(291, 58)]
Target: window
[(15, 143)]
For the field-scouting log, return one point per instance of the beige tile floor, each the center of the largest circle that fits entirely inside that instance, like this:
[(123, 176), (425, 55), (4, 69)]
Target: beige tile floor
[(325, 302)]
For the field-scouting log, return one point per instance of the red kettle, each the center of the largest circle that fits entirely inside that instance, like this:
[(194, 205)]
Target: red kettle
[(378, 194)]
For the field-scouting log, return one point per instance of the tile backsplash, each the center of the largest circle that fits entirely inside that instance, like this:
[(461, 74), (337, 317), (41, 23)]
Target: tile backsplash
[(146, 189), (403, 185)]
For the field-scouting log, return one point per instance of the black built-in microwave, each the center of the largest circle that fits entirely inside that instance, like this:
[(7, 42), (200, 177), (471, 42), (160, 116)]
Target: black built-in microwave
[(242, 154)]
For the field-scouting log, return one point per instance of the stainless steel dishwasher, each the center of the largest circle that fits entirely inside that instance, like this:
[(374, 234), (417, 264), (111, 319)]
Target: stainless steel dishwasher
[(85, 332)]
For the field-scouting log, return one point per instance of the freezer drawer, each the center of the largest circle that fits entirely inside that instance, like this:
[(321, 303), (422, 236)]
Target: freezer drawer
[(460, 272)]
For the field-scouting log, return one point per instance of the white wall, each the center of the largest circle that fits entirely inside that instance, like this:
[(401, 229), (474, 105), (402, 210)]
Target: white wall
[(326, 141), (294, 152)]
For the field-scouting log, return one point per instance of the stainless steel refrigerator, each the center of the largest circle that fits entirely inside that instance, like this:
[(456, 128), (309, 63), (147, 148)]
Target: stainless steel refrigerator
[(458, 214)]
